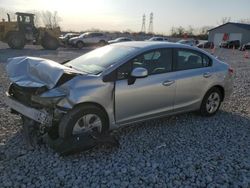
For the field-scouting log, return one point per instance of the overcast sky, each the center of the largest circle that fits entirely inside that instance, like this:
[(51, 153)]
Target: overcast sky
[(121, 15)]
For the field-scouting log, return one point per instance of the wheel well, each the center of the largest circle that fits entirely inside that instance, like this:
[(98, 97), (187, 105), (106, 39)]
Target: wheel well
[(96, 105), (221, 90), (79, 41)]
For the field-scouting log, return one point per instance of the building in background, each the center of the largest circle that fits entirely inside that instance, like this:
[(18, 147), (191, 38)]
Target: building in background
[(228, 32)]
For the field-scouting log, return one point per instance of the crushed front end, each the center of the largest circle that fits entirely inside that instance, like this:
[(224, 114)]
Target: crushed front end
[(33, 93)]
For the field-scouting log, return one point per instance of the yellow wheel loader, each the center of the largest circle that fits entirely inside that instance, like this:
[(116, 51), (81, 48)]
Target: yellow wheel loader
[(22, 31)]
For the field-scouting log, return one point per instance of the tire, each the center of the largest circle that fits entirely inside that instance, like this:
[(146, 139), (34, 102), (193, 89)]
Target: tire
[(16, 40), (49, 43), (70, 122), (215, 94), (80, 44), (102, 43)]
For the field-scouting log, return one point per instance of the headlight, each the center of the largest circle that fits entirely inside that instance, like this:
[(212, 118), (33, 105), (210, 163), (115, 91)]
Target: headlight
[(49, 98)]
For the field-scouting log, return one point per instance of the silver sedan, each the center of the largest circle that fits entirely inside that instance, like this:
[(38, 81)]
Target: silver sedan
[(117, 85)]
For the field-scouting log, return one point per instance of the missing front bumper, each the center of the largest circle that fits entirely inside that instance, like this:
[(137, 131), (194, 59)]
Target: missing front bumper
[(37, 115)]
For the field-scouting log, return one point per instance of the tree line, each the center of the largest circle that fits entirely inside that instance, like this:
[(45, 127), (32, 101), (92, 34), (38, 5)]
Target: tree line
[(49, 19)]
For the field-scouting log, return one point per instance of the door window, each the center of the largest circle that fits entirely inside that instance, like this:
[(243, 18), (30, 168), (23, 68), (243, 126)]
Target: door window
[(156, 62)]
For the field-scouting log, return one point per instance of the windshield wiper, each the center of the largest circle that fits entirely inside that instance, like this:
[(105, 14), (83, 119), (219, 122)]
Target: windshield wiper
[(72, 67)]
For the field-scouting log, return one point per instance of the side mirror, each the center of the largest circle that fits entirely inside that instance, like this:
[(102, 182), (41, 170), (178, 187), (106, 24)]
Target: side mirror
[(139, 72)]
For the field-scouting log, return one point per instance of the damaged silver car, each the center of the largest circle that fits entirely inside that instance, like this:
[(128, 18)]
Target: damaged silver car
[(116, 85)]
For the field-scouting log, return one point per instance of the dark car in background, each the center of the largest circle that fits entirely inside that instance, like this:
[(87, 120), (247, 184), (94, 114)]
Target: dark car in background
[(206, 44), (230, 44), (245, 47)]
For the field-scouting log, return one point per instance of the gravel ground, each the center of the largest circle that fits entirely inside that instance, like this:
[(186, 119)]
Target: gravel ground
[(183, 150)]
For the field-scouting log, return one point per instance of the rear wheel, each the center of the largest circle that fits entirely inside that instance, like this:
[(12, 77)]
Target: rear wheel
[(82, 119), (49, 43), (211, 102), (16, 40), (79, 44)]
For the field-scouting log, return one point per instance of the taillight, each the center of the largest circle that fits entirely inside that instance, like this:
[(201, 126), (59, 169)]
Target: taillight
[(230, 70)]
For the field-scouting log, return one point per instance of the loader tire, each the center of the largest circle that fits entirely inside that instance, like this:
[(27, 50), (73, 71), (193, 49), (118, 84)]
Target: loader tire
[(49, 43), (16, 40)]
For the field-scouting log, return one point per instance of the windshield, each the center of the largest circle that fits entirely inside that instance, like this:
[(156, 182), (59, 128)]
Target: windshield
[(98, 60), (182, 41), (82, 35)]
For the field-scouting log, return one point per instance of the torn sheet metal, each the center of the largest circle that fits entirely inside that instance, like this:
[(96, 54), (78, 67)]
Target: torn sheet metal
[(36, 72), (82, 142)]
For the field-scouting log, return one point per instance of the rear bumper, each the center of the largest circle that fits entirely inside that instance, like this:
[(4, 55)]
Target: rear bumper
[(39, 116)]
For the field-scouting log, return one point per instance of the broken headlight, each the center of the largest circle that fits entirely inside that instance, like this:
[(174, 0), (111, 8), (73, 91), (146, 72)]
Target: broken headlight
[(49, 98)]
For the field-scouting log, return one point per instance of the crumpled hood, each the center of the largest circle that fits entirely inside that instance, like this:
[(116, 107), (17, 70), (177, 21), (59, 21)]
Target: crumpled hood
[(36, 72)]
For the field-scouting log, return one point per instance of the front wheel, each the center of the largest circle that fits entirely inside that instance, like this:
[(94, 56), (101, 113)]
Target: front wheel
[(80, 44), (82, 119), (211, 102), (16, 40), (49, 43)]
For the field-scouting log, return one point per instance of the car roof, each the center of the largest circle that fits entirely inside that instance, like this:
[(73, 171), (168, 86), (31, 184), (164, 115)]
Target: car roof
[(151, 45), (155, 44)]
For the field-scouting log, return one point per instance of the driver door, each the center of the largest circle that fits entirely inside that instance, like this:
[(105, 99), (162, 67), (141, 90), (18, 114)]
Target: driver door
[(144, 98)]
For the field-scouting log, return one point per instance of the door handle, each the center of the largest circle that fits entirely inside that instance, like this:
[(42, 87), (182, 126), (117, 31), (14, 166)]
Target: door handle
[(207, 75), (168, 82)]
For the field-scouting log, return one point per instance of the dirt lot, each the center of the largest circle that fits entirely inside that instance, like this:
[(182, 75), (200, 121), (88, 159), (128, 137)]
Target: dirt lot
[(183, 150)]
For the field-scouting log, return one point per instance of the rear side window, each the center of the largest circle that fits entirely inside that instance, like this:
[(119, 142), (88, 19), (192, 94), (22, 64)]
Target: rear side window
[(97, 35), (159, 39), (189, 59)]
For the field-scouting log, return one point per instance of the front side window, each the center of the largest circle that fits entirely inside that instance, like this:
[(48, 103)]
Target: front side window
[(156, 62), (159, 39), (189, 59)]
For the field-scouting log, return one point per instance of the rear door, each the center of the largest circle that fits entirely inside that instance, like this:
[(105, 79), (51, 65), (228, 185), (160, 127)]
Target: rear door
[(91, 38), (194, 75), (146, 97)]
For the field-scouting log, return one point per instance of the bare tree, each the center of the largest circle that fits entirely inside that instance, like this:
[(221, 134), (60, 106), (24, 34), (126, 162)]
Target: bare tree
[(224, 20), (173, 31), (3, 14), (50, 19), (190, 30), (245, 21), (204, 30), (180, 31)]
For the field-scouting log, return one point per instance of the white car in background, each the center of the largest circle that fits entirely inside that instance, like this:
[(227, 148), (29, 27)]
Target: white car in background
[(190, 42), (89, 38), (158, 39)]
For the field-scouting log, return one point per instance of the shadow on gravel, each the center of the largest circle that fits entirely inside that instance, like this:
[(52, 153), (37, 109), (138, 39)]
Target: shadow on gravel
[(187, 132), (179, 150)]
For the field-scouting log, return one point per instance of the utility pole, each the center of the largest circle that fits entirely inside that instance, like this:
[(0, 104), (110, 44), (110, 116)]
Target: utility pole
[(143, 27), (151, 23)]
